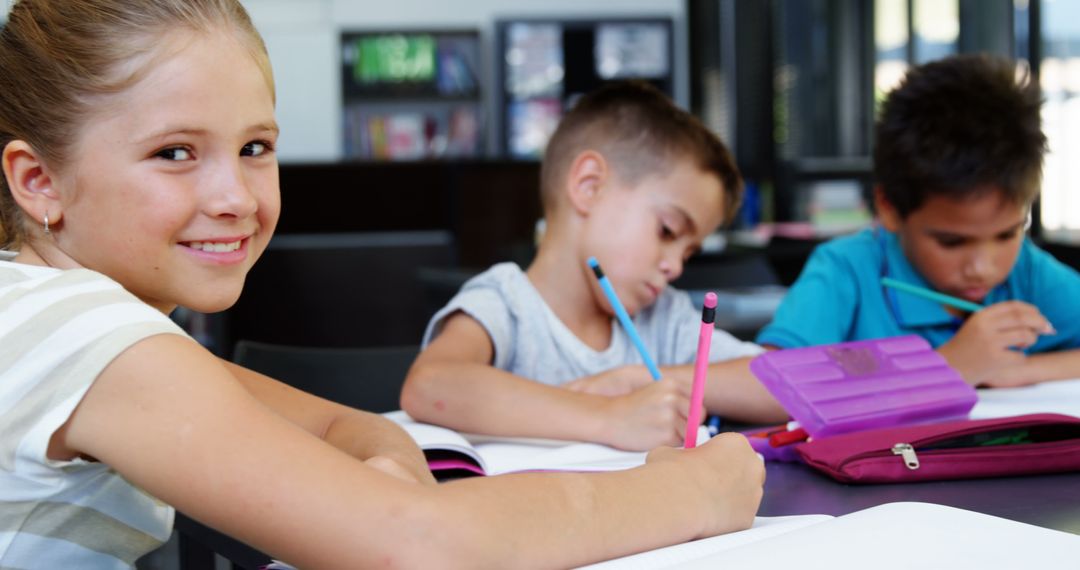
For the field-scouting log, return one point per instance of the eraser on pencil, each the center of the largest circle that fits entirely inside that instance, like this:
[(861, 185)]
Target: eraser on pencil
[(708, 313)]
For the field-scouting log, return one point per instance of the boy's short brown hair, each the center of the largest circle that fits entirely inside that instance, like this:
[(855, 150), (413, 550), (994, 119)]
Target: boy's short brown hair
[(639, 131), (957, 126)]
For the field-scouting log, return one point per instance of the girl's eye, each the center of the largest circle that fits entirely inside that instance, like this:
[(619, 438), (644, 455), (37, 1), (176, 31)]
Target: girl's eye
[(256, 148), (666, 232), (174, 153)]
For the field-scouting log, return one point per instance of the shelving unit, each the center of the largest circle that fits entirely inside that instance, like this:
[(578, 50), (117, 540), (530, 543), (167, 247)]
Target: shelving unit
[(545, 64), (412, 94)]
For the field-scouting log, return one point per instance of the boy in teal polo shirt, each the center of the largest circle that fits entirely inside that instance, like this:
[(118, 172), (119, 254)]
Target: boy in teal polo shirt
[(958, 161)]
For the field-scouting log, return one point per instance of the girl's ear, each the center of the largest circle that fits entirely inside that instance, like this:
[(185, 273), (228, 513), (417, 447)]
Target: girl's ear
[(30, 184), (589, 174), (886, 212)]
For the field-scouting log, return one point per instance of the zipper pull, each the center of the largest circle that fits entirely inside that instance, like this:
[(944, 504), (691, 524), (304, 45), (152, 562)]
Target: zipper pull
[(908, 453)]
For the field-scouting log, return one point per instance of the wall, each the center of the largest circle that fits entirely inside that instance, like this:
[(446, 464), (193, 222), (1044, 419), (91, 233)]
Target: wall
[(302, 37)]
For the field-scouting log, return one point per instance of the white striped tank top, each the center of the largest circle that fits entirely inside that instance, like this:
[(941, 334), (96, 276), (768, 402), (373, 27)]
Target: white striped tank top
[(58, 331)]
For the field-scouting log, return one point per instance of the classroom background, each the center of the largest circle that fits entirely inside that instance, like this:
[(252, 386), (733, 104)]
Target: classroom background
[(412, 133)]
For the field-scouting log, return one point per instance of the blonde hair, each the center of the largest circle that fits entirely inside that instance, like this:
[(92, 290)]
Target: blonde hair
[(59, 57)]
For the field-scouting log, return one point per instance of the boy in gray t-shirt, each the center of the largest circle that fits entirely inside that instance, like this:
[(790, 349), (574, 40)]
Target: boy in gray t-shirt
[(638, 183), (529, 340)]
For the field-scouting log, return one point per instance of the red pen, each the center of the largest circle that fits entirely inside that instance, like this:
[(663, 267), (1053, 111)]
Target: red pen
[(788, 437), (765, 434), (701, 367)]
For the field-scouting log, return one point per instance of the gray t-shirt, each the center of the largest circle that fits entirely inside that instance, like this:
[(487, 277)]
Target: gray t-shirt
[(530, 341)]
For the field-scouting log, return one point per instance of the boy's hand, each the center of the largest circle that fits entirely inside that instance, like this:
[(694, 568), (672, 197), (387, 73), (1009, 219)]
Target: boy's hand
[(985, 345), (615, 382), (651, 416), (1009, 376), (727, 475)]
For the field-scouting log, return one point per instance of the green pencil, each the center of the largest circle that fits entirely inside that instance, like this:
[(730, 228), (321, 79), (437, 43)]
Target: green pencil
[(932, 295)]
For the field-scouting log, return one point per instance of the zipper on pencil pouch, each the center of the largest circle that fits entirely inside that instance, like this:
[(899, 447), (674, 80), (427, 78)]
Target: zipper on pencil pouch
[(912, 456), (911, 453), (907, 452)]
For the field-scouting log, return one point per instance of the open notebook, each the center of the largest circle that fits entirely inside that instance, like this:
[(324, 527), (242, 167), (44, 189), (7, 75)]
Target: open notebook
[(1059, 397), (885, 537), (892, 536), (448, 450)]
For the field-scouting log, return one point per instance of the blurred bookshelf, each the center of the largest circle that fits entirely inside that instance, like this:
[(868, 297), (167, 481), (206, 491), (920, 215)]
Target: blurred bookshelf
[(412, 95)]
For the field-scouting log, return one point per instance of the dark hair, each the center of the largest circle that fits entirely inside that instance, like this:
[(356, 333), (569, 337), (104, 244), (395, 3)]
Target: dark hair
[(639, 131), (958, 127), (57, 59)]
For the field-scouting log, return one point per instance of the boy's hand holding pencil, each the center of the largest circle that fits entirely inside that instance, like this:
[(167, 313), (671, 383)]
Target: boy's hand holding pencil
[(651, 416), (614, 382), (647, 413), (988, 348)]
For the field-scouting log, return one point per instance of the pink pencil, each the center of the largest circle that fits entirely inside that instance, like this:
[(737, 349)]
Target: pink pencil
[(701, 367)]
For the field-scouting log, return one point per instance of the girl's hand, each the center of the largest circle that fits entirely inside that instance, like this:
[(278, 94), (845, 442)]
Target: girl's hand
[(726, 474)]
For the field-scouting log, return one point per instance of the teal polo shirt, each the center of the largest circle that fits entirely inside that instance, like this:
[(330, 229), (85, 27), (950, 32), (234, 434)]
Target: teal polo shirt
[(838, 296)]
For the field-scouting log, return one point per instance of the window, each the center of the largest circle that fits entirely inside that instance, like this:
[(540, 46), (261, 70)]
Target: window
[(1057, 31), (911, 32)]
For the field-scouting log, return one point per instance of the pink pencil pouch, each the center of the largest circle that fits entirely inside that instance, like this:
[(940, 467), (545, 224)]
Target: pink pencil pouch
[(962, 449)]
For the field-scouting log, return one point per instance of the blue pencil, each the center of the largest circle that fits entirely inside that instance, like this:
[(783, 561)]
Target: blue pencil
[(714, 425), (932, 295), (624, 318)]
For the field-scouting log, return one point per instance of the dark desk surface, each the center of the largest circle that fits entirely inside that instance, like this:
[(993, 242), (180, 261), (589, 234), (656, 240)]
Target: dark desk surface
[(1051, 501)]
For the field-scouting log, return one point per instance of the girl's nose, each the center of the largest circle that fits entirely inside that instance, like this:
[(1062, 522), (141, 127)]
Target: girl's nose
[(230, 194)]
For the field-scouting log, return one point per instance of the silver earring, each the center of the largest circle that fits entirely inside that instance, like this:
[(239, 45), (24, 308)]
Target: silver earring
[(47, 232)]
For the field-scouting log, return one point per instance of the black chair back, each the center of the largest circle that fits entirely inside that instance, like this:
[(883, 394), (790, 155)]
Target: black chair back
[(368, 378), (339, 290)]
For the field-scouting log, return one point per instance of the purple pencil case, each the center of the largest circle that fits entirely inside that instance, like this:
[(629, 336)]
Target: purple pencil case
[(856, 386)]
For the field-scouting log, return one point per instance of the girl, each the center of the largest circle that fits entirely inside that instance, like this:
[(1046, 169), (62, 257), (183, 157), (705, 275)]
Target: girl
[(139, 175)]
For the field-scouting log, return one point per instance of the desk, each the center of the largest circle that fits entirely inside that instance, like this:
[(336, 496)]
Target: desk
[(1050, 501)]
